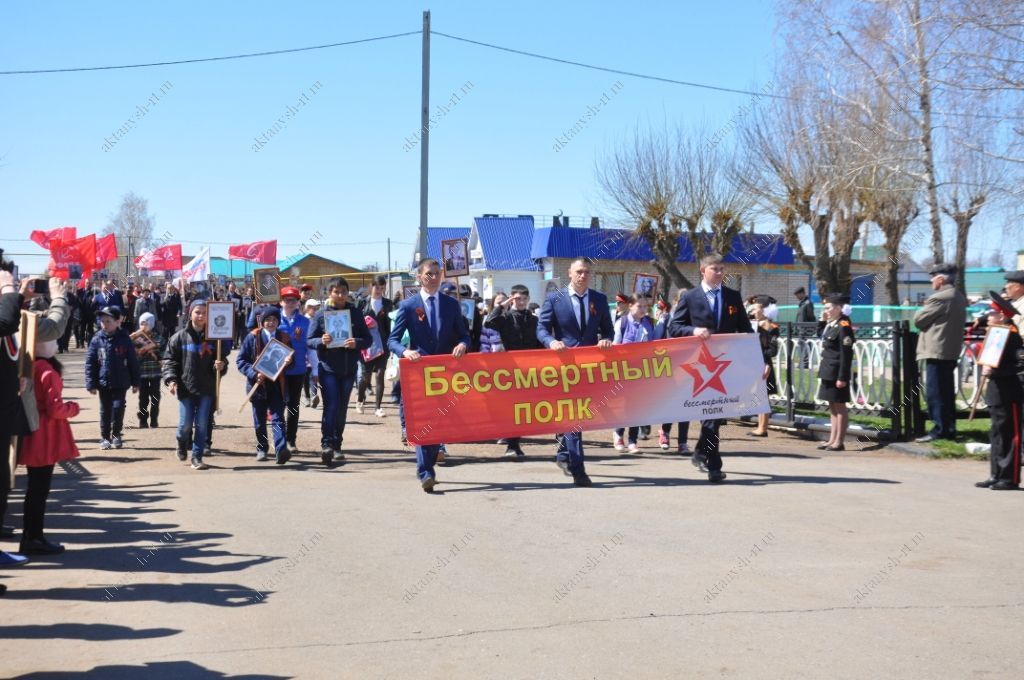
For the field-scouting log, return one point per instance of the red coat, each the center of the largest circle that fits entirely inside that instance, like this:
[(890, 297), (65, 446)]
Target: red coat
[(53, 441)]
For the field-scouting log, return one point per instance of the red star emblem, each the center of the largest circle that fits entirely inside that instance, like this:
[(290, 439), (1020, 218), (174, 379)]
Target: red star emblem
[(706, 365)]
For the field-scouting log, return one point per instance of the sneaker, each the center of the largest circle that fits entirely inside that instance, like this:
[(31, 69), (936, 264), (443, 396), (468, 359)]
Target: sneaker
[(283, 456), (11, 559), (511, 452), (339, 456), (379, 413), (359, 407), (316, 401), (198, 464), (619, 444), (633, 448), (292, 448), (105, 444), (260, 455), (683, 449), (116, 442), (326, 455), (663, 441), (182, 455)]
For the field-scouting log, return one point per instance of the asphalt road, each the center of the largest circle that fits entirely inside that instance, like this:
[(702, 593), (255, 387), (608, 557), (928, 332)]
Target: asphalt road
[(859, 564)]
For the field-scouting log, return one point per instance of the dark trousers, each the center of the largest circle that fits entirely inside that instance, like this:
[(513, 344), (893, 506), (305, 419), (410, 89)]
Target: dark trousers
[(376, 369), (570, 448), (293, 384), (707, 445), (940, 394), (272, 401), (112, 403), (83, 333), (1005, 437), (684, 430), (336, 391), (149, 401), (634, 432), (65, 339), (5, 473), (36, 493)]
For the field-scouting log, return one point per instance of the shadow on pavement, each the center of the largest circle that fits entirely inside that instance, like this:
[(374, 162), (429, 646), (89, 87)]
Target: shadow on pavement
[(95, 632), (155, 670), (214, 594)]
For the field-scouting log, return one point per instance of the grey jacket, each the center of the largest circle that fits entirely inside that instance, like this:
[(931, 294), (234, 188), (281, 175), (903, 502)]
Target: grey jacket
[(941, 321), (51, 326)]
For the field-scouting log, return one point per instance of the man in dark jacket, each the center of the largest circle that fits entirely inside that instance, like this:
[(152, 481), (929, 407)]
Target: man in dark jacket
[(111, 367), (518, 329), (170, 311), (13, 423), (338, 362), (378, 307), (805, 312)]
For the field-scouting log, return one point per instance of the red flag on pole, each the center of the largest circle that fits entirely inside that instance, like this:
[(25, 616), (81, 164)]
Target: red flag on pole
[(164, 258), (43, 238), (106, 250), (261, 252), (73, 259)]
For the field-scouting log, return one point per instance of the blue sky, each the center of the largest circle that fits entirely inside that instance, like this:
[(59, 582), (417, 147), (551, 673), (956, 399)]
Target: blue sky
[(338, 166)]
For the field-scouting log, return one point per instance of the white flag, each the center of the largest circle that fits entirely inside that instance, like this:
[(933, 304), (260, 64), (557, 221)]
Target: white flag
[(199, 268)]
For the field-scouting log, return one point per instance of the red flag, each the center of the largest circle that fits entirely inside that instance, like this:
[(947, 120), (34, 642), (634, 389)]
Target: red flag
[(43, 238), (262, 252), (73, 259), (164, 258), (106, 250)]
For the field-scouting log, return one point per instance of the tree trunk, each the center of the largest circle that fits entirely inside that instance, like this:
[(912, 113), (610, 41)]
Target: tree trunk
[(927, 142)]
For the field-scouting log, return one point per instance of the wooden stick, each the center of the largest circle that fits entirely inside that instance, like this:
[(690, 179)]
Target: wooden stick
[(245, 403), (977, 395), (216, 391)]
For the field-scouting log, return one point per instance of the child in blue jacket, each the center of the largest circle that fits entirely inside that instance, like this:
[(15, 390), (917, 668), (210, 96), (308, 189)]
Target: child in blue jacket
[(111, 367)]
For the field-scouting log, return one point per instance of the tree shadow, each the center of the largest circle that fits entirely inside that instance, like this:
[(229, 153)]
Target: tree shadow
[(153, 670), (94, 632)]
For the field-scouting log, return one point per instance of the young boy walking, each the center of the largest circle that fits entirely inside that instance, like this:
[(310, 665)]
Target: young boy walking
[(111, 367)]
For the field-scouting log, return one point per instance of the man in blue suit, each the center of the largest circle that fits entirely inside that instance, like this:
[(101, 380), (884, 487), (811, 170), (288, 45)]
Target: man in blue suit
[(435, 326), (708, 309), (575, 317)]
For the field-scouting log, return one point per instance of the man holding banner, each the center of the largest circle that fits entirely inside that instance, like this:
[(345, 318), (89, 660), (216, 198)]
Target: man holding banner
[(710, 309), (435, 326), (575, 317)]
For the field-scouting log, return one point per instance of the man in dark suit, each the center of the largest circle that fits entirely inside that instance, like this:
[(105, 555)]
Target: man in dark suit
[(805, 312), (708, 309), (435, 326), (575, 317)]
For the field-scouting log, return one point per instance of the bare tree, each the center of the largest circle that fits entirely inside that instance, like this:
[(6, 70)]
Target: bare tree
[(132, 226)]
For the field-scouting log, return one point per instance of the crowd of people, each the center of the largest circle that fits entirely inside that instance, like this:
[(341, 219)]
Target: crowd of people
[(142, 341)]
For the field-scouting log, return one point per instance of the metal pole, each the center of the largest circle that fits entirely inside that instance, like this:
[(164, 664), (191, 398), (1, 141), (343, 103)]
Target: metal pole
[(421, 241), (386, 266)]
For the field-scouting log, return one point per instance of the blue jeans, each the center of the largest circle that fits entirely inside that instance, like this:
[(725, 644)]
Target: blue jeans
[(273, 401), (194, 414), (570, 448), (336, 390), (940, 394)]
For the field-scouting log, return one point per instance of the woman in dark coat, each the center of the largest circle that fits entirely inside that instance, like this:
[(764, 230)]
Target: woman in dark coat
[(836, 363)]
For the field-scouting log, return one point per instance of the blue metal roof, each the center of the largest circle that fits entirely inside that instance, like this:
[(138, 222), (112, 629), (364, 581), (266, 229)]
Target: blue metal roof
[(506, 243), (623, 244), (437, 234)]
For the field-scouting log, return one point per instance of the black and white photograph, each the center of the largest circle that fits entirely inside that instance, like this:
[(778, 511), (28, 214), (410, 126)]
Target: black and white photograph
[(455, 255), (273, 359), (220, 324), (200, 290), (338, 324), (268, 286), (409, 291), (645, 285)]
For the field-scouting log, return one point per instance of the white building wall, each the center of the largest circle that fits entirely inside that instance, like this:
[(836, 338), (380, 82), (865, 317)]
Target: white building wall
[(504, 280)]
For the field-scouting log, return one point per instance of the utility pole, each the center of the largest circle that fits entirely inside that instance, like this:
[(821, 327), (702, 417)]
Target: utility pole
[(386, 263), (421, 241)]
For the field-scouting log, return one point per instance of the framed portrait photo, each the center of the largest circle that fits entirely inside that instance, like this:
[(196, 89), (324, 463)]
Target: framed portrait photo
[(220, 320), (455, 257), (995, 343), (338, 324), (645, 285), (272, 359), (268, 284), (468, 306), (143, 344), (410, 291)]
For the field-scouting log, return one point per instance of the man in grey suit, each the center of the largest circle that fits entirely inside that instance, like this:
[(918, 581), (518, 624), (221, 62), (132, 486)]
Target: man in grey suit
[(941, 322)]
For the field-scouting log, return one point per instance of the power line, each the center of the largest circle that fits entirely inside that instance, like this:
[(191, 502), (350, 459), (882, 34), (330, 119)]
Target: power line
[(208, 59)]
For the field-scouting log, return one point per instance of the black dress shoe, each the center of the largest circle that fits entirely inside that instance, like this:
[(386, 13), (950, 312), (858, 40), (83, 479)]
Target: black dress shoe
[(822, 447), (1004, 486), (6, 532), (699, 462), (581, 480), (757, 434), (986, 484), (40, 546), (841, 447), (716, 476), (282, 457)]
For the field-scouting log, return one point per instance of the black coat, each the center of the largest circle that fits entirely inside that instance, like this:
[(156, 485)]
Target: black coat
[(837, 350), (382, 318), (189, 361), (518, 330), (13, 421)]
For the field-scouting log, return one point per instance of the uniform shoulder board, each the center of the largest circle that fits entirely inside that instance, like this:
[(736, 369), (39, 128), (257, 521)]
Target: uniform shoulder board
[(845, 323)]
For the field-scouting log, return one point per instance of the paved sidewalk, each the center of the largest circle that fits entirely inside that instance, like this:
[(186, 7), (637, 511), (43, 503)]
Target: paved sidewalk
[(803, 565)]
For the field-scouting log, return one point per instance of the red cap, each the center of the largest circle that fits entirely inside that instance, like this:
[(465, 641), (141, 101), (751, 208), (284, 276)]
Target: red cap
[(290, 291)]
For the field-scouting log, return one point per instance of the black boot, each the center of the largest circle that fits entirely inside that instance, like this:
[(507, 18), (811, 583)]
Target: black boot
[(183, 448)]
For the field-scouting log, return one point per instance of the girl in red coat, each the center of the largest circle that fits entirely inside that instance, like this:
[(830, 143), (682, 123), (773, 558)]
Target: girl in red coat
[(48, 445)]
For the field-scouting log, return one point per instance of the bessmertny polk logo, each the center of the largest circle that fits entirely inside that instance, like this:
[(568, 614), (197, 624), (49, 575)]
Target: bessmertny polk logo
[(706, 371)]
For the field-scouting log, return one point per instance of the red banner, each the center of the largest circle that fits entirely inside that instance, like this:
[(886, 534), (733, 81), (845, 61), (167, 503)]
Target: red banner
[(73, 259), (262, 252), (162, 259), (43, 238), (512, 394), (106, 250)]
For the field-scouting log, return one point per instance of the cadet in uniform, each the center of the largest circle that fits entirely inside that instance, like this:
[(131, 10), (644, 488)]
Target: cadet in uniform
[(836, 363), (1004, 395)]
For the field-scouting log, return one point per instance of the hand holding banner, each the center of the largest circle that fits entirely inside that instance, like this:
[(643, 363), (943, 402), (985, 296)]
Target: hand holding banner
[(487, 396)]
